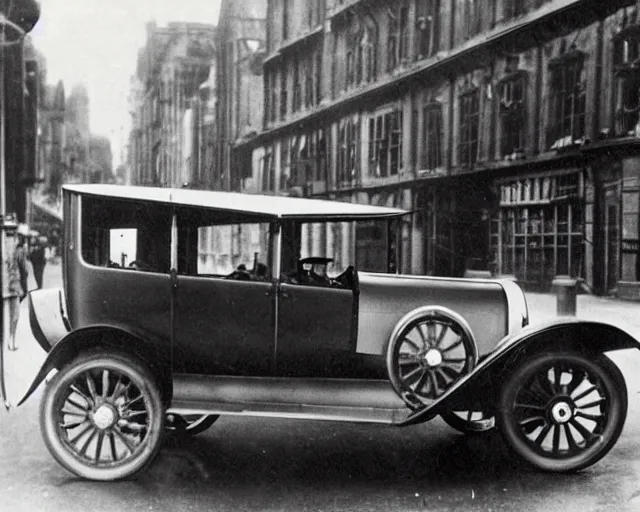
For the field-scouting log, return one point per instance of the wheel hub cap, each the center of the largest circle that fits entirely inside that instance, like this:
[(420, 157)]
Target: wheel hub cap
[(104, 417), (433, 358), (561, 412)]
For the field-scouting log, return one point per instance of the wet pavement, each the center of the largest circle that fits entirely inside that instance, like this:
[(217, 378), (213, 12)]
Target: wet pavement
[(283, 465)]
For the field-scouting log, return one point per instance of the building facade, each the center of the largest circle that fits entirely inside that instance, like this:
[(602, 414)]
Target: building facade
[(164, 147), (242, 47), (509, 127)]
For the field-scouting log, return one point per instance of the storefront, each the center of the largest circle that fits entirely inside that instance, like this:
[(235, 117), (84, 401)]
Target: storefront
[(538, 232), (616, 174)]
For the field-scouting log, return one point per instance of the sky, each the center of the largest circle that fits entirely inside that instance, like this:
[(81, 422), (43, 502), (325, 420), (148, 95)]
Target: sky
[(96, 42)]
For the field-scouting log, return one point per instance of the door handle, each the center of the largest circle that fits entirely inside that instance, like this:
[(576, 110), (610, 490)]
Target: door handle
[(284, 295)]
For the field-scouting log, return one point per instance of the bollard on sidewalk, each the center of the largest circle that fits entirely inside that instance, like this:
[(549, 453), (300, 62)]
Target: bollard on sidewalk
[(566, 295)]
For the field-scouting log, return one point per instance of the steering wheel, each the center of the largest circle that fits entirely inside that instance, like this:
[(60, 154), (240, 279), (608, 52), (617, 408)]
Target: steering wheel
[(347, 278)]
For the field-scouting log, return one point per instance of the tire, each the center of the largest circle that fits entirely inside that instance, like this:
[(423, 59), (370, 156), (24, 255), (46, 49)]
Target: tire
[(428, 354), (563, 412), (189, 425), (102, 432), (459, 421)]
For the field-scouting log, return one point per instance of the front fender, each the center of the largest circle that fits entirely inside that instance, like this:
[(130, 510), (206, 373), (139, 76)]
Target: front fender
[(113, 337), (560, 335)]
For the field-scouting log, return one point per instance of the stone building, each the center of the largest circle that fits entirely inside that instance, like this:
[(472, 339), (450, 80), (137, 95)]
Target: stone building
[(510, 127), (175, 61), (242, 45), (101, 160)]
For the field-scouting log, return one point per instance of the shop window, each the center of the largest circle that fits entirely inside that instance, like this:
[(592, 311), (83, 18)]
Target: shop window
[(285, 164), (268, 174), (433, 136), (286, 11), (308, 83), (540, 229), (393, 42), (385, 144), (297, 86), (567, 100), (348, 141), (403, 34), (351, 70), (472, 17), (318, 76), (284, 97), (271, 96), (514, 8), (365, 51), (512, 114), (469, 125), (322, 152), (627, 81), (428, 28)]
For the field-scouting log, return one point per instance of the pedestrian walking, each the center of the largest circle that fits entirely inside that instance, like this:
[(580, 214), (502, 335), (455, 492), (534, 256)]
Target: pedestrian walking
[(21, 255), (15, 290), (38, 259)]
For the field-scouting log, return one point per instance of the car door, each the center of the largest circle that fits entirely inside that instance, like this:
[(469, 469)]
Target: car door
[(315, 331), (222, 325)]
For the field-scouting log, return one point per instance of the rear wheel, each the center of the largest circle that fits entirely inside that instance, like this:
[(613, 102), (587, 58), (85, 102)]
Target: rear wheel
[(470, 422), (187, 425), (563, 412), (102, 417)]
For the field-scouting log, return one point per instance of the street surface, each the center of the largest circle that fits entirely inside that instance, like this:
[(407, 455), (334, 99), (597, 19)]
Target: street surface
[(261, 464)]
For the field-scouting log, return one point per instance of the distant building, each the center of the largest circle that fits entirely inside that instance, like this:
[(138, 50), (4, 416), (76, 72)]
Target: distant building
[(242, 46), (511, 128), (78, 135), (175, 61), (52, 139), (101, 160)]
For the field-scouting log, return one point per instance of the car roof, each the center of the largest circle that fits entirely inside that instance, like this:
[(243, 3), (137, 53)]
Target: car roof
[(268, 206)]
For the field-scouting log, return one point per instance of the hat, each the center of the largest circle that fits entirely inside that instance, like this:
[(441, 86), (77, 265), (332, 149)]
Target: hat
[(23, 229)]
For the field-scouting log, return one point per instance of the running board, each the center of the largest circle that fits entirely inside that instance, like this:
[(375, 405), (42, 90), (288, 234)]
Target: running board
[(370, 401)]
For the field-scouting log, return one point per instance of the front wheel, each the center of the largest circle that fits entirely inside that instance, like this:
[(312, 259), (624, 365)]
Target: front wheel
[(102, 417), (563, 412)]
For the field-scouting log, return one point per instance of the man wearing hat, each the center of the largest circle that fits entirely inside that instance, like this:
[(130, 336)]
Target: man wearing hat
[(37, 257), (16, 286)]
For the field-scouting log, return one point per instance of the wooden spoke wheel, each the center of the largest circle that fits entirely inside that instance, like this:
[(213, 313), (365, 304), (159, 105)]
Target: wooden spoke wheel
[(429, 355), (102, 417), (563, 412)]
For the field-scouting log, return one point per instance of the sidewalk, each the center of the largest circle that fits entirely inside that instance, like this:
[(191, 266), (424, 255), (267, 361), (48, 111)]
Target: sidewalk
[(21, 366), (542, 307)]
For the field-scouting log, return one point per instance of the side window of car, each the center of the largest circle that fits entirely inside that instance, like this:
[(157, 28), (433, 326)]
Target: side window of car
[(210, 247), (226, 248), (126, 234)]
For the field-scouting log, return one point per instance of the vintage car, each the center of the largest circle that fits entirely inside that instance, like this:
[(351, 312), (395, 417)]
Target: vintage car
[(180, 306)]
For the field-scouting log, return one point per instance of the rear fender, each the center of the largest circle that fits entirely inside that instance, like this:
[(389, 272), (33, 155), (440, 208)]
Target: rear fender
[(483, 382), (113, 338), (47, 317)]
